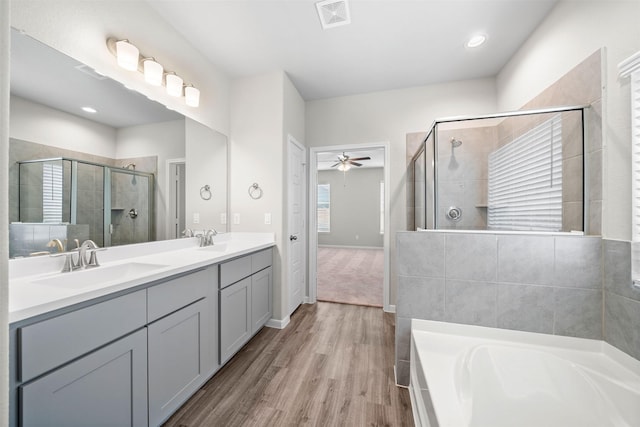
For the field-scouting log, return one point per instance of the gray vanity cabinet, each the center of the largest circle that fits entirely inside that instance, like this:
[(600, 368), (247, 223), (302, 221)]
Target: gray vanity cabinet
[(105, 388), (245, 300), (261, 300), (235, 318)]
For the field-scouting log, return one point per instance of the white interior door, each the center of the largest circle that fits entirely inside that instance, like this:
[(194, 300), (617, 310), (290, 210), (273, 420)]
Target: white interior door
[(176, 206), (296, 226)]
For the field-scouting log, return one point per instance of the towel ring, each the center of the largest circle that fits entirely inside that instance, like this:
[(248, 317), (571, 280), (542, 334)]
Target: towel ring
[(255, 192), (205, 192)]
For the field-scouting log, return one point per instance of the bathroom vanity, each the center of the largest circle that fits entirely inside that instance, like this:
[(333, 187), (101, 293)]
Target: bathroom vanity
[(130, 348)]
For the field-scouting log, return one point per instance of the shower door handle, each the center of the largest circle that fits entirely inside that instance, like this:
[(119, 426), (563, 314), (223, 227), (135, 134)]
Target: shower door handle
[(293, 237)]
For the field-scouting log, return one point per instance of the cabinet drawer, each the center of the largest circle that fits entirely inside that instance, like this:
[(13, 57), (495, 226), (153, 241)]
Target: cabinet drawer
[(235, 270), (51, 343), (261, 260), (174, 294)]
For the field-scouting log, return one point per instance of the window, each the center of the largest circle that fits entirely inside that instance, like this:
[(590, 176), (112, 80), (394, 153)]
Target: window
[(381, 207), (631, 68), (52, 192), (324, 208)]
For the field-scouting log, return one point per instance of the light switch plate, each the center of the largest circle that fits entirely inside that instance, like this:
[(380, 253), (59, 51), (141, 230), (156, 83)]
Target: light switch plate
[(267, 218), (196, 218), (223, 218), (236, 218)]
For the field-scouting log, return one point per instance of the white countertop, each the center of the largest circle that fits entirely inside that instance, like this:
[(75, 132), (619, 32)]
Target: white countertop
[(36, 285)]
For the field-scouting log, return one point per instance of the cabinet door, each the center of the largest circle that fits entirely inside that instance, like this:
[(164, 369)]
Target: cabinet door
[(260, 299), (235, 318), (177, 354), (105, 388)]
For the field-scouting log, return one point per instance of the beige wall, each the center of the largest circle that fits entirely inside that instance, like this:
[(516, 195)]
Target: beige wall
[(572, 32)]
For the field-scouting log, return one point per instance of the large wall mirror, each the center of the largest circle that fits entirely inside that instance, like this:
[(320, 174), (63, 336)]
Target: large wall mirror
[(91, 159)]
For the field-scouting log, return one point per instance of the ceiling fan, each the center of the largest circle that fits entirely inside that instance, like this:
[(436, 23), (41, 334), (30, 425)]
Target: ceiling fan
[(345, 162)]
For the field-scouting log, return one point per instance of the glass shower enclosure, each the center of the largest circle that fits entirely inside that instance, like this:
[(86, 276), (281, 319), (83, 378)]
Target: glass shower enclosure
[(116, 204), (516, 171)]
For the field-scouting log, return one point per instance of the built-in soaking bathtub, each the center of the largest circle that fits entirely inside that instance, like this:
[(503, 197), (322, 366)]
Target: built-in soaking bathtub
[(484, 377)]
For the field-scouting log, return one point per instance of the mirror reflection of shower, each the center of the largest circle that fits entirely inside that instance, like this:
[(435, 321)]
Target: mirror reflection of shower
[(131, 166), (453, 162)]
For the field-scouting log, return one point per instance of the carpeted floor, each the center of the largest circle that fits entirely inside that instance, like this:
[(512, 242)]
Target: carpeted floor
[(351, 276)]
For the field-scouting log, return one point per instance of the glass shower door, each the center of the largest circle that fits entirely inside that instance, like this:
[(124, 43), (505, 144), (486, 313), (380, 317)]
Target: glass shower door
[(130, 216)]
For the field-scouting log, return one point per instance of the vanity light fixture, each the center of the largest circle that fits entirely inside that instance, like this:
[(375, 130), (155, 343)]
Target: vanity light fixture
[(128, 57), (174, 84), (153, 71), (191, 96), (476, 41)]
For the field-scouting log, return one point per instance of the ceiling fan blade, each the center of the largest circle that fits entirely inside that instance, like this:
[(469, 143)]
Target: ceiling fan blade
[(355, 163), (360, 158), (333, 166)]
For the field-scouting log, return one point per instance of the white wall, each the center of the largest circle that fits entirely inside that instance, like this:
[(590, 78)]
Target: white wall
[(80, 29), (165, 140), (5, 43), (572, 31), (389, 116), (37, 123), (206, 164), (264, 110)]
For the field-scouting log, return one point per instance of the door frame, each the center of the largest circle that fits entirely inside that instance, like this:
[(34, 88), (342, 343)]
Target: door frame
[(167, 185), (313, 235), (304, 215)]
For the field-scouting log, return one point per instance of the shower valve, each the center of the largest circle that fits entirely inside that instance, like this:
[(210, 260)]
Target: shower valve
[(454, 213)]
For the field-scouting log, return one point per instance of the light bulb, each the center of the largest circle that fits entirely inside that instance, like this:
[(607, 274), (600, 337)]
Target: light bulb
[(153, 72), (174, 85), (476, 40), (192, 96), (127, 55)]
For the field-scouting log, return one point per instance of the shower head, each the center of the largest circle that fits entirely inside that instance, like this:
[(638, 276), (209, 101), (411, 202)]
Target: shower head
[(132, 166), (455, 142)]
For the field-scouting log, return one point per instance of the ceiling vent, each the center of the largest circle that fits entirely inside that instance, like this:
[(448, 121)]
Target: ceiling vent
[(333, 13)]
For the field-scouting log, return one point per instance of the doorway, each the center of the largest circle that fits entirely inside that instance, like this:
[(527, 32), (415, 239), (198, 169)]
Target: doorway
[(349, 223), (176, 214)]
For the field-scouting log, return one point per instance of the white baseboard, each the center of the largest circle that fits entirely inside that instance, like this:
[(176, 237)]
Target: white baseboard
[(390, 309), (308, 300), (278, 324)]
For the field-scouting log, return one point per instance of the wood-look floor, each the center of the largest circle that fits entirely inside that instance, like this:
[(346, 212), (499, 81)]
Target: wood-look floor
[(331, 366)]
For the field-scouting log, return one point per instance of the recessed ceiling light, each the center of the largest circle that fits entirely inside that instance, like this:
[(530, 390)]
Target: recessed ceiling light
[(89, 110), (476, 40)]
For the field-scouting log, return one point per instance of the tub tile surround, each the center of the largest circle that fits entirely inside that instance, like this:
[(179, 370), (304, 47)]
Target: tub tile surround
[(577, 286), (535, 283)]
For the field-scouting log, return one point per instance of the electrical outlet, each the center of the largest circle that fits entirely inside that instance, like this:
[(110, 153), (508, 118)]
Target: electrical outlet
[(267, 218), (223, 218), (196, 218), (236, 218)]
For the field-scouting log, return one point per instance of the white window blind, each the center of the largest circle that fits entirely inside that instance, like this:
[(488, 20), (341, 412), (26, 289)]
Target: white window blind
[(525, 181), (52, 192), (635, 138), (324, 208)]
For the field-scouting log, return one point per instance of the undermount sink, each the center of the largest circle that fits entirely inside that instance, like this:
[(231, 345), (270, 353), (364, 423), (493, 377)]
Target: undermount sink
[(97, 275)]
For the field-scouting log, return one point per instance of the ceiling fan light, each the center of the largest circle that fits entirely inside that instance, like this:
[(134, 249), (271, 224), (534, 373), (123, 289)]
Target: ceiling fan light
[(153, 72), (343, 167), (192, 96), (127, 55), (174, 85)]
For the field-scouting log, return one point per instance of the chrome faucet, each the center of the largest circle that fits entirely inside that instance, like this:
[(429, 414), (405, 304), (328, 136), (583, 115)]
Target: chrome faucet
[(56, 243), (82, 255), (208, 237), (188, 233)]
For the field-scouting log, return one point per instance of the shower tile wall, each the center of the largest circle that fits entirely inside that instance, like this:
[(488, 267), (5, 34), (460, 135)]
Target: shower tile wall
[(463, 176), (91, 200), (129, 192), (536, 283)]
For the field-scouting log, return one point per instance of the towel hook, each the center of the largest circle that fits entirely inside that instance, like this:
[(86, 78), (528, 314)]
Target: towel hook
[(205, 192), (255, 192)]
